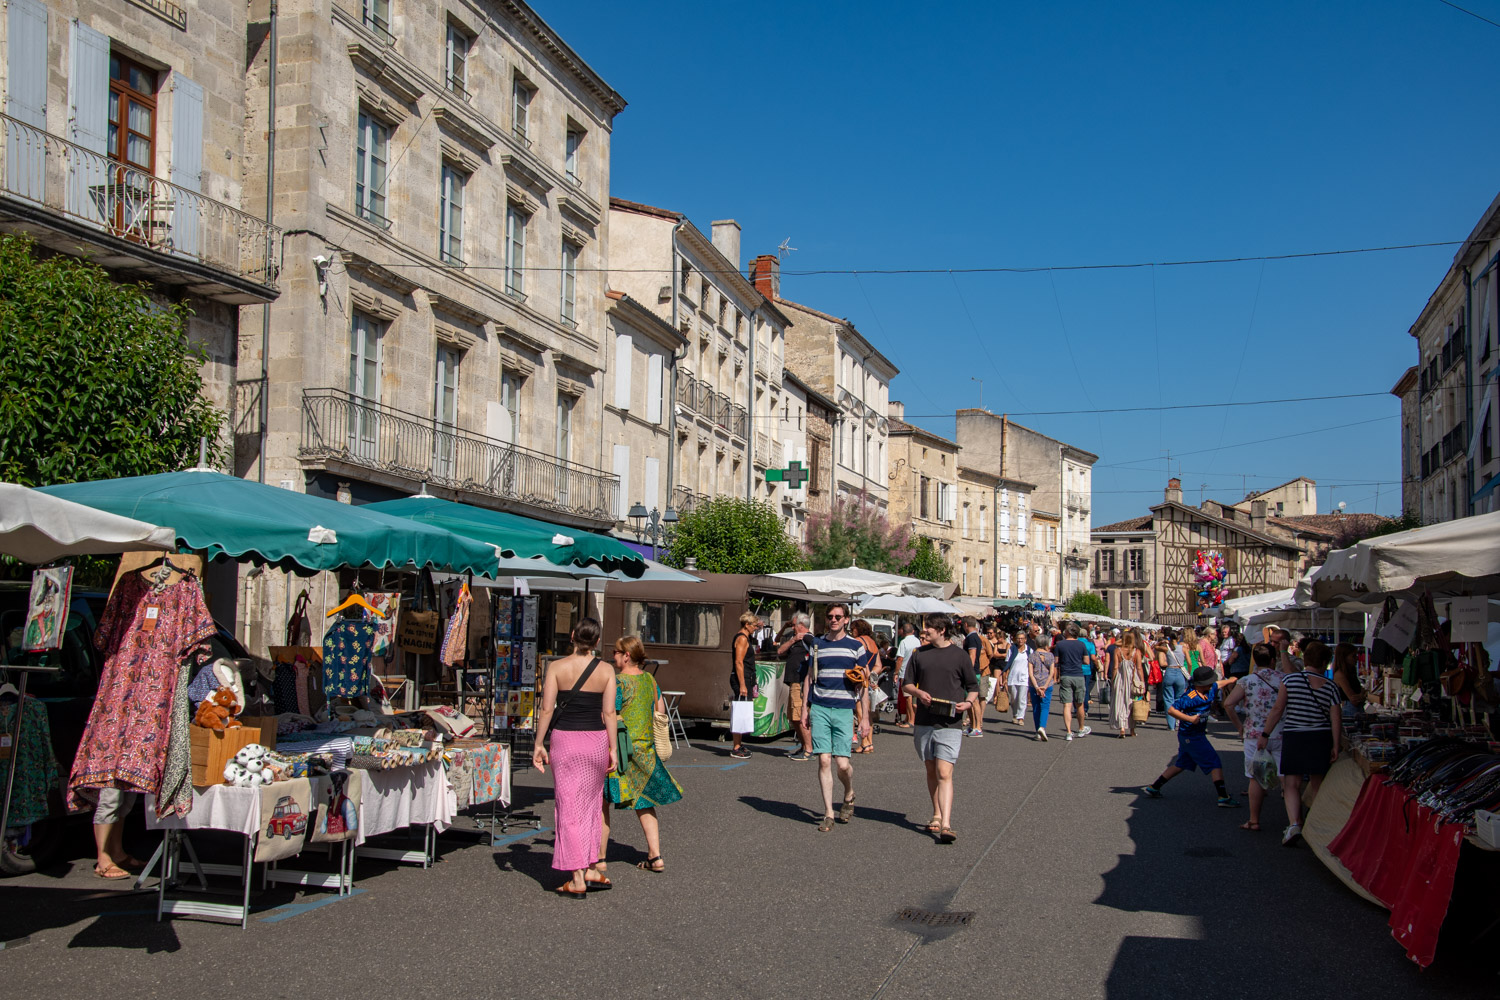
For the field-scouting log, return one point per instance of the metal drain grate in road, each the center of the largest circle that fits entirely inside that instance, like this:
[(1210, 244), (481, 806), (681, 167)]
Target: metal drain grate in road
[(933, 918)]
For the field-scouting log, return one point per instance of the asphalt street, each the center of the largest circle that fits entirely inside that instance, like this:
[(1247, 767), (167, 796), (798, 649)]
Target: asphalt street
[(1076, 885)]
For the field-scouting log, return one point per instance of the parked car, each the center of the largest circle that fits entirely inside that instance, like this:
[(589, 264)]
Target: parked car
[(68, 696)]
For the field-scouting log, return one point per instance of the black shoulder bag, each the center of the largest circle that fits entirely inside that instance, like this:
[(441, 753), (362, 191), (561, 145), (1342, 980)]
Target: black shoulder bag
[(567, 696)]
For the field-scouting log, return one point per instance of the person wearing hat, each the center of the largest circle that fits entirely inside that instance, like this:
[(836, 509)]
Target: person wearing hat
[(1194, 752)]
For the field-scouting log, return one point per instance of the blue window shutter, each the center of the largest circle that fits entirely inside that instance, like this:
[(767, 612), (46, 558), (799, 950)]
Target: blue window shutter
[(26, 54), (187, 163), (88, 88), (26, 99)]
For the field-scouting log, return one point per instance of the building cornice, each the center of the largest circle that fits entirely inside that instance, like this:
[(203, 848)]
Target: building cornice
[(641, 318)]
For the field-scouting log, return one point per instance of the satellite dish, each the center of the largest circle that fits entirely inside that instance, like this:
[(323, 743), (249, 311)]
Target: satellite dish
[(1342, 505)]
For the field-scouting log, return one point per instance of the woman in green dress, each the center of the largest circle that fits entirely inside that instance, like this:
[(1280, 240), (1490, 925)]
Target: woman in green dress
[(642, 783)]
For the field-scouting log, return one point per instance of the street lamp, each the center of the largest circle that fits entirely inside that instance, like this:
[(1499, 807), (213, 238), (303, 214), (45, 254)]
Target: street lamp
[(653, 526)]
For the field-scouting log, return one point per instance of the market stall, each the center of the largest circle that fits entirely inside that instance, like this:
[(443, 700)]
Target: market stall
[(1407, 807)]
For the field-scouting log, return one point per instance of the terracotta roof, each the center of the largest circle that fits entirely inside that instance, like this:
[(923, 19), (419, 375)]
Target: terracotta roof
[(640, 209), (1129, 524), (1333, 525)]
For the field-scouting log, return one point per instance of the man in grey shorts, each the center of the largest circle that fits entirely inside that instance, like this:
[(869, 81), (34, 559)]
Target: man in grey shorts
[(1072, 684), (940, 681)]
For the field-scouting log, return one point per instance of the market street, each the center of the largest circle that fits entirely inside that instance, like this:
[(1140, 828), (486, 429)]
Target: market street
[(1079, 888)]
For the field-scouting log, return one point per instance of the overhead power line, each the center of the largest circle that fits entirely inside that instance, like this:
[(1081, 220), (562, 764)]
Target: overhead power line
[(1471, 13)]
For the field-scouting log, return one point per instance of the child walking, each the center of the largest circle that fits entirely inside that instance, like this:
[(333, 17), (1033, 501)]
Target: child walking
[(1194, 752)]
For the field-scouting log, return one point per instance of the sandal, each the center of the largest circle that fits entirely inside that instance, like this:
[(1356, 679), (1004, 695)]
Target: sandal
[(112, 873), (947, 836), (598, 882), (132, 863), (936, 826), (1251, 826), (826, 824), (846, 810), (650, 865), (566, 891)]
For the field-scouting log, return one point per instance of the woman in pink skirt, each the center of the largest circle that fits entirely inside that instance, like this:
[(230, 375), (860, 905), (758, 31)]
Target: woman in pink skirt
[(578, 709)]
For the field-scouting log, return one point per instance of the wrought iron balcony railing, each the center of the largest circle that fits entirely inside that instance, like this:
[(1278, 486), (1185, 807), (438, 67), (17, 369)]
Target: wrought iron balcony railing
[(712, 405), (340, 426), (61, 176)]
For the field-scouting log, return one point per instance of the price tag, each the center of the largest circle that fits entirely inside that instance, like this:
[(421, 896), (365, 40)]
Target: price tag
[(5, 746), (1402, 626), (1468, 615), (153, 615)]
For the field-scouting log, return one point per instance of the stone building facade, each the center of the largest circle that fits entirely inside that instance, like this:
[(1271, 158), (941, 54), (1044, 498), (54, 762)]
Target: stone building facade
[(805, 431), (1047, 527), (123, 145), (1451, 409), (996, 534), (642, 350), (923, 486), (442, 173), (727, 384), (831, 356), (1296, 498), (1063, 475)]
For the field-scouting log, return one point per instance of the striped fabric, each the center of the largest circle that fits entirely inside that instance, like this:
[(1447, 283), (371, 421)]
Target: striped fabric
[(1308, 709), (834, 656)]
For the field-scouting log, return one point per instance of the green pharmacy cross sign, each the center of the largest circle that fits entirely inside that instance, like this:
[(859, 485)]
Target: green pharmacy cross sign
[(794, 475)]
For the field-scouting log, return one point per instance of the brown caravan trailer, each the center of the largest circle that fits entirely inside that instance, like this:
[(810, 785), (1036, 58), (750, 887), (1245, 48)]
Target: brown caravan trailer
[(691, 627)]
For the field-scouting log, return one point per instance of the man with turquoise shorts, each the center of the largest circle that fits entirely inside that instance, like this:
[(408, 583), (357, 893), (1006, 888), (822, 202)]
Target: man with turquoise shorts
[(831, 704)]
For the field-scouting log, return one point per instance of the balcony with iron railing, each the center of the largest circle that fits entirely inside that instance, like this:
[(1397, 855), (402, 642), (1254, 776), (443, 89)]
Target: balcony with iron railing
[(763, 454), (684, 499), (712, 405), (82, 203), (340, 428), (1076, 500)]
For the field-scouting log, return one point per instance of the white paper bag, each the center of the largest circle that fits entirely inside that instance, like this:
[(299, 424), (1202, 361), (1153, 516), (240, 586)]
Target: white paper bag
[(877, 697), (741, 716)]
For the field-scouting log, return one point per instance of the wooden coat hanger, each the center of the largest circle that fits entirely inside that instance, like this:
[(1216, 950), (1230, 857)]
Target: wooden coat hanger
[(357, 601)]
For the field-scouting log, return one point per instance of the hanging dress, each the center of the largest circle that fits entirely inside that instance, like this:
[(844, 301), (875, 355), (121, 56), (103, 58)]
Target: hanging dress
[(125, 744)]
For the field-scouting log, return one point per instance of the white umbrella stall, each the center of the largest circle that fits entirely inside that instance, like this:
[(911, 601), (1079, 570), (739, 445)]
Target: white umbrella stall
[(36, 528)]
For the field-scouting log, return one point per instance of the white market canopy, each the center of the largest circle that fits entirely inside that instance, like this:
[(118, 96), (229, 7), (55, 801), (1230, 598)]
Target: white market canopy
[(1080, 616), (37, 528), (902, 605), (853, 580), (1455, 558)]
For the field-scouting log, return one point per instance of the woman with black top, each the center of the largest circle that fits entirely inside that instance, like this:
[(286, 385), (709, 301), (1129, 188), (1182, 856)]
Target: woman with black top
[(1309, 707), (1346, 676), (578, 710)]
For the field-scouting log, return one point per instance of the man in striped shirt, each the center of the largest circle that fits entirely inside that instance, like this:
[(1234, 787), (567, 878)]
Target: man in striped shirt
[(831, 704)]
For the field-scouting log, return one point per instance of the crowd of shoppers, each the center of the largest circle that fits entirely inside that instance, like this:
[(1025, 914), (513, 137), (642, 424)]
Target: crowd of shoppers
[(1288, 700)]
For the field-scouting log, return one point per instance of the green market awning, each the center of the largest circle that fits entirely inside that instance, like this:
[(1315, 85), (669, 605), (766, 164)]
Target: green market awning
[(240, 519), (1010, 602), (518, 536)]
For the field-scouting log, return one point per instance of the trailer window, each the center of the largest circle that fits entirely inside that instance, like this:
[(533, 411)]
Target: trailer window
[(674, 624)]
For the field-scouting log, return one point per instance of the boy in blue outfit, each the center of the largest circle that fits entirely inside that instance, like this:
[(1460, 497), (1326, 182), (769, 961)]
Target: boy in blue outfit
[(1194, 752)]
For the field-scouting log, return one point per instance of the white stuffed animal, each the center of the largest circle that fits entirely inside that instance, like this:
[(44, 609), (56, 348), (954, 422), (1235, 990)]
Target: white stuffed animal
[(235, 774), (252, 757)]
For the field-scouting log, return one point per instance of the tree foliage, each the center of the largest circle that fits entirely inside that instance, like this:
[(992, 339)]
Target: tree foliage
[(1086, 602), (97, 381), (927, 563), (856, 533), (731, 535)]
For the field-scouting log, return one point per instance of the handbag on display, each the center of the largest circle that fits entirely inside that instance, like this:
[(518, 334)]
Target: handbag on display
[(417, 630), (456, 636), (298, 629)]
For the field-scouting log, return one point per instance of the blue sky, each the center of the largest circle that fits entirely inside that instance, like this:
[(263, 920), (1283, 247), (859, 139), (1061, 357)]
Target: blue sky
[(884, 136)]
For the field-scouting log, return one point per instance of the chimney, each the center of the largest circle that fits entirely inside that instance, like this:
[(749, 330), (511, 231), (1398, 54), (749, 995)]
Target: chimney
[(1174, 490), (896, 410), (727, 240), (1258, 515), (765, 272)]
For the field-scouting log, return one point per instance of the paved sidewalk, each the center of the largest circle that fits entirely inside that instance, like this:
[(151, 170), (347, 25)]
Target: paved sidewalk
[(1078, 888)]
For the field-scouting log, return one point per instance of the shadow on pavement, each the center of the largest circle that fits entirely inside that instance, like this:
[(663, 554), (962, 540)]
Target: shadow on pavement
[(1264, 921), (800, 813)]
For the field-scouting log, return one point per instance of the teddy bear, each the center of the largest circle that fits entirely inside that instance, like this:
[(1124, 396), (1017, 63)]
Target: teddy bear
[(217, 711)]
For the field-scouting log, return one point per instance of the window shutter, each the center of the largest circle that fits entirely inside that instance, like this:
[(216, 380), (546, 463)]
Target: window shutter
[(26, 97), (653, 388), (1004, 580), (1021, 526), (187, 161), (88, 89), (649, 496), (26, 54), (622, 469), (1005, 525), (1021, 579), (624, 358)]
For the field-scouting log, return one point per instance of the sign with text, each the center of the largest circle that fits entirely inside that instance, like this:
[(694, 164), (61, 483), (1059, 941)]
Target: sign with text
[(1402, 626), (1470, 617)]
